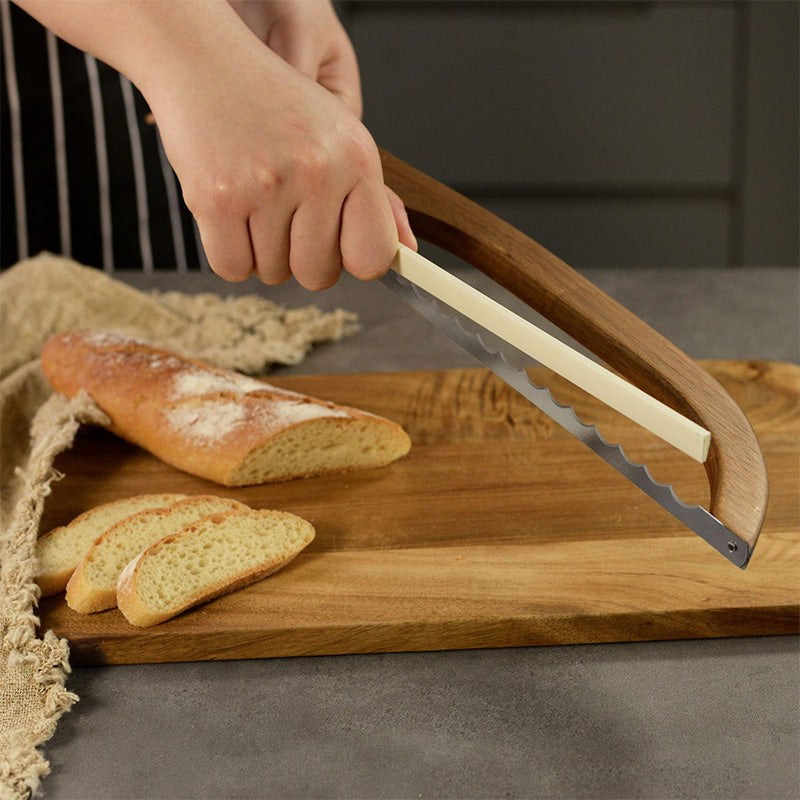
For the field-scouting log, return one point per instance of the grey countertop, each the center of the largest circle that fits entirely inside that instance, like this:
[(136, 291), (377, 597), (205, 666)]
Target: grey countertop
[(699, 719)]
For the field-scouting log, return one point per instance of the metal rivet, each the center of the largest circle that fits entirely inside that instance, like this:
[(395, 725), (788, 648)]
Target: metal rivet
[(732, 547)]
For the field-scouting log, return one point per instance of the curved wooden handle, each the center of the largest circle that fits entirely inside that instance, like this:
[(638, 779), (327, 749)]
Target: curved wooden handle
[(736, 471)]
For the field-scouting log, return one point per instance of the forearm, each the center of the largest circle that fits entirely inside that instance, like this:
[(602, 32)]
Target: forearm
[(152, 42)]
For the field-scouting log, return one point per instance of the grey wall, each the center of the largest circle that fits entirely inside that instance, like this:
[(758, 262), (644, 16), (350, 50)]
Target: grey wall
[(634, 133)]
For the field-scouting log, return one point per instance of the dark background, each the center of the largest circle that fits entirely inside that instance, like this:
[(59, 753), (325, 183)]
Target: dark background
[(615, 133)]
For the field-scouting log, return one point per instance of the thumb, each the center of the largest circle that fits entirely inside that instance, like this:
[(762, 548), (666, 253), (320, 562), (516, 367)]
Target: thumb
[(297, 51), (404, 232), (334, 68)]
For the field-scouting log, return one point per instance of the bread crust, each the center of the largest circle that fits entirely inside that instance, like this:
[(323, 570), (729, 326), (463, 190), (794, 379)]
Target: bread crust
[(53, 582), (205, 420)]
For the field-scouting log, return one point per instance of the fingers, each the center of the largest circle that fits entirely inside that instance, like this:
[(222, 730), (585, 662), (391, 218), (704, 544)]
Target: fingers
[(313, 242), (269, 228), (368, 238), (310, 244), (404, 232), (314, 255), (318, 247), (319, 207), (226, 241)]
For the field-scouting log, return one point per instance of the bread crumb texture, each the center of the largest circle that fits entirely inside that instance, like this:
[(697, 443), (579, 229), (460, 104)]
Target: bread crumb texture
[(60, 550), (93, 585), (322, 448), (210, 557)]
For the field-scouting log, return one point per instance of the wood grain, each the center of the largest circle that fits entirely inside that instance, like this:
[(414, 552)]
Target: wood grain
[(499, 529), (735, 467)]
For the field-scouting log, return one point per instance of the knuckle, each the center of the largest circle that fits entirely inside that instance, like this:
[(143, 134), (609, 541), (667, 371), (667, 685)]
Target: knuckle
[(361, 151), (351, 151), (211, 197), (311, 164), (267, 179), (221, 195)]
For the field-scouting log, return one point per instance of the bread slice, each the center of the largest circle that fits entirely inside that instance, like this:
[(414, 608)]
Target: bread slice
[(93, 585), (208, 558), (60, 550), (212, 422)]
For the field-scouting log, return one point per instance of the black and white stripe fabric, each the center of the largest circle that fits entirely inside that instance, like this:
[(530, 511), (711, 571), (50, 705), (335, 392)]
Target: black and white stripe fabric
[(82, 167)]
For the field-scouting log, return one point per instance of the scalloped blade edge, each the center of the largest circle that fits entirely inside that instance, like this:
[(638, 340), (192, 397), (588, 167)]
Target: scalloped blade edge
[(694, 517)]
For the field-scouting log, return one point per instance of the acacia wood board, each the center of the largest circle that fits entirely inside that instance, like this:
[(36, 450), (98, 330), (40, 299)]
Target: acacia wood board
[(498, 529)]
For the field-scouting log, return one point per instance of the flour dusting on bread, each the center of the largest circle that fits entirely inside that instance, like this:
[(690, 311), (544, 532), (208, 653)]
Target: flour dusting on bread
[(208, 423), (201, 382), (215, 423)]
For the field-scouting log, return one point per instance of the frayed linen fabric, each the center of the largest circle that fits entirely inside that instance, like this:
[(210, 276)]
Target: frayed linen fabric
[(40, 297)]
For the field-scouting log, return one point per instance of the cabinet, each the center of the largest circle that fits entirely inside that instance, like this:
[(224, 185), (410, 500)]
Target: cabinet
[(614, 133)]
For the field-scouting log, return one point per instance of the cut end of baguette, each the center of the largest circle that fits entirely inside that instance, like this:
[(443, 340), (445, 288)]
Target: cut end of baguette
[(322, 447), (206, 559)]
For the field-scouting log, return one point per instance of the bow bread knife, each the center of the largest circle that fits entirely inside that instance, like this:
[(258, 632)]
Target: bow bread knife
[(717, 434)]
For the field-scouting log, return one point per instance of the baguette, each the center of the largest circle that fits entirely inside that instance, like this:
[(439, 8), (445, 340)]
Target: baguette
[(216, 423), (206, 559), (60, 550), (93, 585)]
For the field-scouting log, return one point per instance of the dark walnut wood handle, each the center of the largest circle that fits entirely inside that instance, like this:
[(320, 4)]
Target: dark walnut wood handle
[(736, 471)]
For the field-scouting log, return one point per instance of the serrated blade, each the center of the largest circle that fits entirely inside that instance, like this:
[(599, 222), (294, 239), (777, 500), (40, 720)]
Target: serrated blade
[(694, 517)]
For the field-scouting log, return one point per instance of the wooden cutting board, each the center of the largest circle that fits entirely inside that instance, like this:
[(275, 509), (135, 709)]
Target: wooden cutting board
[(498, 529)]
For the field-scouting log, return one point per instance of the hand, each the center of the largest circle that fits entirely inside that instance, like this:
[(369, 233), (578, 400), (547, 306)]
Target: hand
[(279, 172), (281, 177), (308, 35)]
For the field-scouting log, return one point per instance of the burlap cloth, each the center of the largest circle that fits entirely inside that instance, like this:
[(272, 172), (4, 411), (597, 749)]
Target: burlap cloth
[(40, 297)]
